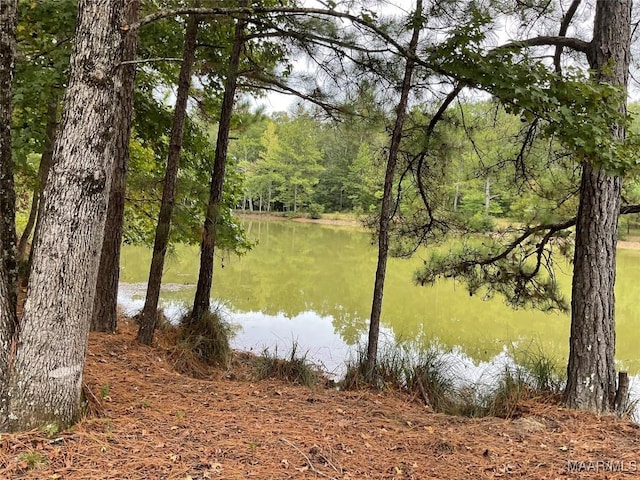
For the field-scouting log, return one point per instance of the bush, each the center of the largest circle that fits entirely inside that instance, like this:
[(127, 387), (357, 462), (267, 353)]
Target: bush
[(480, 223), (315, 211)]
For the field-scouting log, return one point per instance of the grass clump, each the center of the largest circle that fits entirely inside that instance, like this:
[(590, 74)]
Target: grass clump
[(32, 460), (511, 390), (50, 429), (544, 375), (295, 368), (430, 376), (202, 343), (534, 377), (392, 368)]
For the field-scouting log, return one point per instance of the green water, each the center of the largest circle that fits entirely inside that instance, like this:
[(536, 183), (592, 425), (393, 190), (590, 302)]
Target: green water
[(313, 283)]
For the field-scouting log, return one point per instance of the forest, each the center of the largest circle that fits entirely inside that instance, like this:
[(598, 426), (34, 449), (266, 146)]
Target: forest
[(140, 122)]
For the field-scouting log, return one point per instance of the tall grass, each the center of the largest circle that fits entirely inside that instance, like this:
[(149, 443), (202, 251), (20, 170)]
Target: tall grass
[(202, 344), (430, 376), (295, 367), (391, 368)]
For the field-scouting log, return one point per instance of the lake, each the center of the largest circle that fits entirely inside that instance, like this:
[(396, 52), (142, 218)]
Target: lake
[(312, 284)]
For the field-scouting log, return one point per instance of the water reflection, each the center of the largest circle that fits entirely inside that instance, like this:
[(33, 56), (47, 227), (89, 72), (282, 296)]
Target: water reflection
[(312, 283)]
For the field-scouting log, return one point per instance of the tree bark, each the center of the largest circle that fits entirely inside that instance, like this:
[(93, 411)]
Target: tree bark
[(487, 195), (150, 310), (202, 300), (7, 190), (591, 375), (46, 376), (105, 307), (8, 15), (386, 209)]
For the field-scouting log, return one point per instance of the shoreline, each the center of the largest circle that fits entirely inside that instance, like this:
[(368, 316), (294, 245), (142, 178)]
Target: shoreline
[(357, 223), (147, 420), (340, 222)]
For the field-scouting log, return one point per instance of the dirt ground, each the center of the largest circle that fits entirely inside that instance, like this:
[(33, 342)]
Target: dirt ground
[(150, 422)]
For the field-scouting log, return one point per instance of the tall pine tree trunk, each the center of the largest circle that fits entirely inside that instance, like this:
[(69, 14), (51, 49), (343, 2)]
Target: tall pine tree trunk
[(487, 195), (202, 300), (591, 375), (150, 310), (105, 307), (7, 200), (387, 207), (7, 191), (45, 379)]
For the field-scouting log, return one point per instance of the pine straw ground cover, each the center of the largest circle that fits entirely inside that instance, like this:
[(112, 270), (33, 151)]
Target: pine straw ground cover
[(158, 424)]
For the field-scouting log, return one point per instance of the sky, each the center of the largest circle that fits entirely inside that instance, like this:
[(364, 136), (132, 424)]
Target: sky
[(274, 102), (277, 102)]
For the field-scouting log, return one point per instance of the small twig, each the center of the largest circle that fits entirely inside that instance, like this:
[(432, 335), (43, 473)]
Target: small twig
[(329, 462), (97, 407), (425, 397), (313, 469)]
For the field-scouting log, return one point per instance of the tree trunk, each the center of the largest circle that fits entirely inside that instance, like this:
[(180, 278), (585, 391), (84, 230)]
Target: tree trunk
[(591, 379), (487, 195), (7, 200), (456, 197), (43, 173), (269, 199), (202, 300), (150, 310), (295, 198), (105, 307), (386, 209), (46, 376), (7, 190)]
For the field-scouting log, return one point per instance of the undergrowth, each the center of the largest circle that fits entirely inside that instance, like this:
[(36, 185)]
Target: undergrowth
[(430, 377), (295, 368), (201, 344), (32, 459)]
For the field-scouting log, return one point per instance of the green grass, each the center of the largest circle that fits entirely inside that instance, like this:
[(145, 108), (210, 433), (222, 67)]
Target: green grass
[(104, 391), (32, 459), (427, 376), (50, 429), (295, 368), (544, 374)]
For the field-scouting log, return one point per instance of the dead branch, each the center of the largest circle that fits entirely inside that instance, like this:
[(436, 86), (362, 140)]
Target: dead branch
[(311, 467)]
